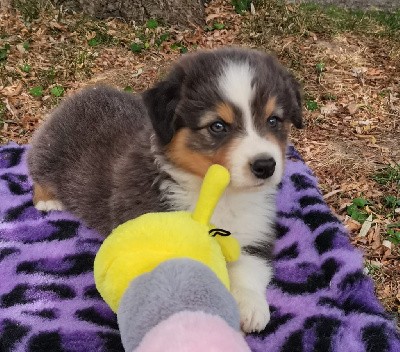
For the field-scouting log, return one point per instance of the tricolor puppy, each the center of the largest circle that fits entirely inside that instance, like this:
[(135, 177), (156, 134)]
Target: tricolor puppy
[(109, 156)]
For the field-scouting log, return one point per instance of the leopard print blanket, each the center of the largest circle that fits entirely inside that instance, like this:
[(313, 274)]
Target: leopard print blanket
[(320, 299)]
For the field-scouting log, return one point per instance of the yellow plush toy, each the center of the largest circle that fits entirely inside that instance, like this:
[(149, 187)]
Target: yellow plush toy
[(138, 246)]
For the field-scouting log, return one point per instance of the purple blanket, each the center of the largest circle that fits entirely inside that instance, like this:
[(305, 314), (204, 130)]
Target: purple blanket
[(320, 300)]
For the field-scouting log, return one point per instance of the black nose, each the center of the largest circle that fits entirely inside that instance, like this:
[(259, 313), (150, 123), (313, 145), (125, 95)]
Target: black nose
[(263, 168)]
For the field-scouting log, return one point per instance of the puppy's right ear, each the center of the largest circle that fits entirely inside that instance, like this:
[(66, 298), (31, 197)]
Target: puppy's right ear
[(161, 102)]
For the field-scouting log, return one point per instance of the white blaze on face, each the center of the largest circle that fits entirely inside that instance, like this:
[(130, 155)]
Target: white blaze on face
[(235, 84)]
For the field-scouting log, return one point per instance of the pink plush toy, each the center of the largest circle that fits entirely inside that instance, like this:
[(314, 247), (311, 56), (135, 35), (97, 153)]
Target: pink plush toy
[(193, 332)]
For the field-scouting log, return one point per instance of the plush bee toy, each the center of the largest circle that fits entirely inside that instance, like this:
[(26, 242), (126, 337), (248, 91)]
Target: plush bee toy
[(165, 276)]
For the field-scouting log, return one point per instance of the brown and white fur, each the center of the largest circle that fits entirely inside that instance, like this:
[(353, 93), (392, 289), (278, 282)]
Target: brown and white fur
[(109, 156)]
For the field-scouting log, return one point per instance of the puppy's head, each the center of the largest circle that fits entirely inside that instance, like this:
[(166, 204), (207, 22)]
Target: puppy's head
[(232, 107)]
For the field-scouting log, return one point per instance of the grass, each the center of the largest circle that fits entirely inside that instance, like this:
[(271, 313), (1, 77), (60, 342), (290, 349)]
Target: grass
[(31, 10), (390, 174), (283, 18)]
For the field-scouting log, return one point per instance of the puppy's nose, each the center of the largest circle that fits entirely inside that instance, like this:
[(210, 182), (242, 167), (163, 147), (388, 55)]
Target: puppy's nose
[(263, 167)]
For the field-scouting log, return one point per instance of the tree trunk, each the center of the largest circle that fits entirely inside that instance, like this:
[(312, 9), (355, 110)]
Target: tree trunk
[(169, 12)]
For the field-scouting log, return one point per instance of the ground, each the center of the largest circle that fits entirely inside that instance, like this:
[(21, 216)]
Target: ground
[(348, 63)]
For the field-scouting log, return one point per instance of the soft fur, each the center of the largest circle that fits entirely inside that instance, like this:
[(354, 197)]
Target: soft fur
[(175, 286), (110, 156)]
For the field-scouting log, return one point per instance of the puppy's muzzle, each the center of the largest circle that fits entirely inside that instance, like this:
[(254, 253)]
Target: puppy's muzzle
[(263, 167)]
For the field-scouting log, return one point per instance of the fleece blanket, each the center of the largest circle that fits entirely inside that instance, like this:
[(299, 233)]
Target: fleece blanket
[(320, 299)]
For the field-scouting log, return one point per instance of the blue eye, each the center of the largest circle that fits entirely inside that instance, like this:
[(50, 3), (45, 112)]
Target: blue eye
[(217, 127), (273, 121)]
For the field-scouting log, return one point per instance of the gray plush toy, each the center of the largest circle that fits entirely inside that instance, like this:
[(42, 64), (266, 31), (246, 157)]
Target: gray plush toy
[(179, 306)]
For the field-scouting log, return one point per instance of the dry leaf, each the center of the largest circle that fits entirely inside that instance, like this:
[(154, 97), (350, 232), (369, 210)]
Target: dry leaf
[(353, 225), (57, 25), (365, 226), (21, 48), (329, 109), (387, 244), (358, 71), (352, 108), (252, 9), (374, 71), (12, 91)]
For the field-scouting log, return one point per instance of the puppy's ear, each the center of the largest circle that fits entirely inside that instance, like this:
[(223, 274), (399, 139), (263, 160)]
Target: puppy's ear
[(161, 102), (297, 115)]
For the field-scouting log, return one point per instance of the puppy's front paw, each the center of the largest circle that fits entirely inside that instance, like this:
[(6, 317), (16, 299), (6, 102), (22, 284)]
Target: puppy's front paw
[(253, 309), (47, 205)]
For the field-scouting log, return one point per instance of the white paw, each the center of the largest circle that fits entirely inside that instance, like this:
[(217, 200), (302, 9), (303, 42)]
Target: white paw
[(253, 310), (47, 205)]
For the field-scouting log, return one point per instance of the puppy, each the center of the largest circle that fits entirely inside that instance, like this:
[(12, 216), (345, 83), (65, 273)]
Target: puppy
[(109, 156)]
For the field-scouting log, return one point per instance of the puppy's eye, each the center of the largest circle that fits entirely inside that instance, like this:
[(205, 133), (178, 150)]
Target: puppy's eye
[(217, 127), (273, 121)]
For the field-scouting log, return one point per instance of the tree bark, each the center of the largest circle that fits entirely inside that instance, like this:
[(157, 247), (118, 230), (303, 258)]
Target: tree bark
[(169, 12)]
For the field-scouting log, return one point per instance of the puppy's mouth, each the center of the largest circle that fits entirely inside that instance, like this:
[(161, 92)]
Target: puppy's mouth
[(253, 185)]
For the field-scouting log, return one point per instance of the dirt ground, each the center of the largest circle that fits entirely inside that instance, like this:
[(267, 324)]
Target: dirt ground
[(351, 92)]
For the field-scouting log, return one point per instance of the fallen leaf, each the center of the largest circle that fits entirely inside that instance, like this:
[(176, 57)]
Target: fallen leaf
[(329, 109), (252, 9), (57, 25), (352, 108), (353, 225), (21, 48), (365, 226), (387, 244), (375, 71), (358, 71), (12, 91)]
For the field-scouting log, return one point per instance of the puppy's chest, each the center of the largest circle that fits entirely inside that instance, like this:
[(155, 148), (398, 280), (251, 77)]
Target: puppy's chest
[(249, 216)]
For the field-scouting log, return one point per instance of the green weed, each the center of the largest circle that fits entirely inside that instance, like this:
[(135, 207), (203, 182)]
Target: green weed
[(217, 25), (162, 38), (388, 175), (101, 37), (57, 91), (4, 52), (26, 68), (137, 47), (179, 46), (394, 236), (320, 67), (152, 24), (36, 91), (241, 5), (3, 110), (357, 209), (311, 105)]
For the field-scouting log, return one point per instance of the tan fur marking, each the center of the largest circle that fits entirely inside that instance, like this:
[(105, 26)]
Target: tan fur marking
[(187, 159), (226, 113), (41, 193), (270, 106), (194, 161)]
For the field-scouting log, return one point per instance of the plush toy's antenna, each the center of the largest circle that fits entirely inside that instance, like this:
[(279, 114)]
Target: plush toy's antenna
[(214, 184)]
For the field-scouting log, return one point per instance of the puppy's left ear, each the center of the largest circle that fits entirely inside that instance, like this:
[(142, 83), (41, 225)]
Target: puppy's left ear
[(297, 113), (161, 102)]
